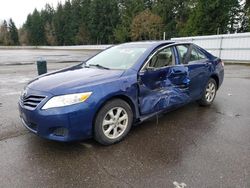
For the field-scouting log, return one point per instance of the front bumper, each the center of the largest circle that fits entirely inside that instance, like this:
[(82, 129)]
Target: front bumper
[(64, 124)]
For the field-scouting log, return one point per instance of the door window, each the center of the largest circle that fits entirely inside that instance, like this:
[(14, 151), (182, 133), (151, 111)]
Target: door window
[(183, 53), (196, 55), (201, 55), (188, 53), (163, 58)]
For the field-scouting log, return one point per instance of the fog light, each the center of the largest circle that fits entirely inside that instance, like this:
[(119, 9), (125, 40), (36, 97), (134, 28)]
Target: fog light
[(61, 132)]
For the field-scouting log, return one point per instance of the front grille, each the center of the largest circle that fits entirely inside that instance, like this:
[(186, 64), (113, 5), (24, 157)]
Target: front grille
[(32, 101)]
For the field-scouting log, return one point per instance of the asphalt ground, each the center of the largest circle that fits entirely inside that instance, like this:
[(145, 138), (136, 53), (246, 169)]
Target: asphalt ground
[(190, 147), (28, 56)]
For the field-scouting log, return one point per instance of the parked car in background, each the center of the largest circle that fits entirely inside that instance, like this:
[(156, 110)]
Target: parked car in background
[(121, 86)]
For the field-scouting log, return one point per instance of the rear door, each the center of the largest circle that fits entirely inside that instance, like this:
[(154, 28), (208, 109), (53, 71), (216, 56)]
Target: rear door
[(198, 65), (162, 83)]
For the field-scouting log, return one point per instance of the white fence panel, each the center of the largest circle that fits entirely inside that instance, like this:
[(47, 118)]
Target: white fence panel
[(229, 47)]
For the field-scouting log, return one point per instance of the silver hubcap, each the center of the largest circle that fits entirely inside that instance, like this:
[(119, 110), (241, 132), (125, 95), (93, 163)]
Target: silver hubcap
[(210, 92), (115, 122)]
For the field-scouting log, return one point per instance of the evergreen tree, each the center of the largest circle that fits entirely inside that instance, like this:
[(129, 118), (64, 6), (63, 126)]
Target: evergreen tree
[(68, 32), (247, 15), (47, 14), (245, 23), (182, 11), (236, 14), (210, 16), (50, 34), (59, 22), (35, 28), (83, 35), (13, 33), (128, 10), (76, 18), (166, 9), (100, 22), (104, 17)]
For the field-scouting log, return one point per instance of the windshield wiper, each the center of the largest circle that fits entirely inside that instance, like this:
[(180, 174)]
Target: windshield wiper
[(99, 66)]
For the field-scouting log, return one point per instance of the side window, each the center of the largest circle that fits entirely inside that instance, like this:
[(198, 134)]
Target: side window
[(201, 55), (183, 53), (189, 53), (194, 55), (163, 58)]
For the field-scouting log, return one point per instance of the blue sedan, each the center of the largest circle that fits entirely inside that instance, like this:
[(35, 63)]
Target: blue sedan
[(121, 86)]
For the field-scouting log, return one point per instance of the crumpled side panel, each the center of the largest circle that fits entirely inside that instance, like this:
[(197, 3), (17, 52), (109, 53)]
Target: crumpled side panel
[(161, 99)]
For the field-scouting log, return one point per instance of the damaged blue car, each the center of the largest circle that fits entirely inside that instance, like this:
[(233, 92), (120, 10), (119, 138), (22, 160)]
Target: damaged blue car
[(121, 86)]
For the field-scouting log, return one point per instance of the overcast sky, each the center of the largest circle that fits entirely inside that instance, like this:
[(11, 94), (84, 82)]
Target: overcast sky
[(19, 9)]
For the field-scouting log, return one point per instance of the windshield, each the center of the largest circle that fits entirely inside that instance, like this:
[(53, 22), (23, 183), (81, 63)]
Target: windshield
[(118, 57)]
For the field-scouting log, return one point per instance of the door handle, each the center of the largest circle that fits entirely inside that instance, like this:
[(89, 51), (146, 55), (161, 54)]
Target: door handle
[(178, 72)]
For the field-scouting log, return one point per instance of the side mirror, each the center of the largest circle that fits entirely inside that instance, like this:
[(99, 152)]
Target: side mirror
[(146, 71)]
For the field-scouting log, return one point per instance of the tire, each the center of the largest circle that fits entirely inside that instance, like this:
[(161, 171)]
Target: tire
[(113, 122), (209, 93)]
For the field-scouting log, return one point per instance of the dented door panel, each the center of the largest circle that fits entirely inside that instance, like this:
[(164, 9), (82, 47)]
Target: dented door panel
[(199, 75), (163, 89)]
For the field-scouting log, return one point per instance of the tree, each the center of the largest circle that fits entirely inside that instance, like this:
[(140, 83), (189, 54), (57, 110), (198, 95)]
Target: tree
[(68, 32), (165, 8), (23, 36), (112, 21), (4, 34), (59, 22), (146, 26), (182, 11), (209, 16), (14, 39), (128, 10), (104, 18), (47, 14), (83, 35), (50, 34), (236, 17), (35, 28), (247, 15)]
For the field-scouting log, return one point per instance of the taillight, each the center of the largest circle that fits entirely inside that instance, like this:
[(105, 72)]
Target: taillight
[(221, 62)]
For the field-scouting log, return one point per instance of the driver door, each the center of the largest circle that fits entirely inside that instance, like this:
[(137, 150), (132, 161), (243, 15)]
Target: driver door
[(162, 83)]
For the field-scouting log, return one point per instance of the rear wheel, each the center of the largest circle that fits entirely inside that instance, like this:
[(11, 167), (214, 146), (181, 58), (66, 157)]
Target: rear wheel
[(113, 122), (209, 93)]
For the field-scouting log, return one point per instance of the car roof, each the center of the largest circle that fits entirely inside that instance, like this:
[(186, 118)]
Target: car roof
[(150, 42), (153, 43)]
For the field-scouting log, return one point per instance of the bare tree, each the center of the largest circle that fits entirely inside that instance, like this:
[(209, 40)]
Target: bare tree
[(146, 26)]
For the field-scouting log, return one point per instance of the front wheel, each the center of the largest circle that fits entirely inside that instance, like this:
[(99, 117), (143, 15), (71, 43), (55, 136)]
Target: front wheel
[(209, 93), (113, 122)]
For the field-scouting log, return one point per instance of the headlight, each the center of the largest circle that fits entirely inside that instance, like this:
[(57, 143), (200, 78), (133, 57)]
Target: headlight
[(66, 100)]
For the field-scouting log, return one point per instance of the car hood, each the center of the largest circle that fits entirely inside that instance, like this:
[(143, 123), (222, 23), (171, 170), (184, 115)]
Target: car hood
[(72, 79)]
